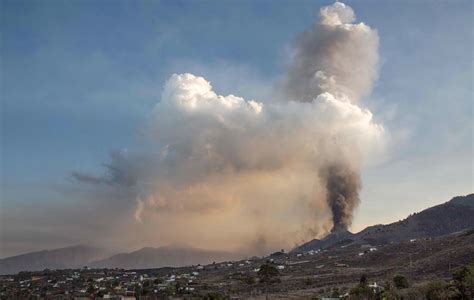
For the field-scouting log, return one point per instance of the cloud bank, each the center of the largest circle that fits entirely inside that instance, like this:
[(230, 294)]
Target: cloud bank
[(228, 173)]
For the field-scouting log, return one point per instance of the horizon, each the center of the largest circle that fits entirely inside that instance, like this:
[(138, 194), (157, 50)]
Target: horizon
[(95, 151), (185, 246)]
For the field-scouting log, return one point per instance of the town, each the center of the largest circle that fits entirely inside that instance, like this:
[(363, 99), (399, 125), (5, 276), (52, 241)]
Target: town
[(342, 272)]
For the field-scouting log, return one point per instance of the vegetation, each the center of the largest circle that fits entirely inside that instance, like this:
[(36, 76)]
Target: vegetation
[(463, 282), (400, 281), (214, 296), (362, 290), (437, 290), (268, 274), (460, 287)]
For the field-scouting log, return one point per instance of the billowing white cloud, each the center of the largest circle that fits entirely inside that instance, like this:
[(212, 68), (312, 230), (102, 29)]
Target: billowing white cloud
[(225, 172)]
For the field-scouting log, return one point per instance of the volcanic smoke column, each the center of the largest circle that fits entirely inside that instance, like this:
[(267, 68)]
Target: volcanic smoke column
[(338, 57), (342, 186), (206, 161)]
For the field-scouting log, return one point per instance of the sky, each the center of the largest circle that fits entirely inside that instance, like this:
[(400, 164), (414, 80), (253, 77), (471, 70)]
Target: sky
[(79, 80)]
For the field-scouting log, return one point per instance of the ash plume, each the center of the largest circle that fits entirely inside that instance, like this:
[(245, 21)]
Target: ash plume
[(334, 56), (226, 171), (342, 185), (337, 57)]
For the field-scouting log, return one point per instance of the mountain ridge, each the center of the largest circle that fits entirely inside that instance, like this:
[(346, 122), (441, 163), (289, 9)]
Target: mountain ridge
[(454, 215), (165, 256), (449, 217), (75, 256)]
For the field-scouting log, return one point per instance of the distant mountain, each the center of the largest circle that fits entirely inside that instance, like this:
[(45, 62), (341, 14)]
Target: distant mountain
[(63, 258), (171, 256), (452, 216)]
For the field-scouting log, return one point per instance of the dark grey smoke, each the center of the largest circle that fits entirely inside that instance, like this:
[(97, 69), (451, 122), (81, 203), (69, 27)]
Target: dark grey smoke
[(121, 171), (339, 57), (342, 186), (205, 154), (334, 56)]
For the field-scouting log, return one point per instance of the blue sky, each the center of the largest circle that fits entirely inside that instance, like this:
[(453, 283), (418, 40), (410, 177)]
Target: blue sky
[(80, 77)]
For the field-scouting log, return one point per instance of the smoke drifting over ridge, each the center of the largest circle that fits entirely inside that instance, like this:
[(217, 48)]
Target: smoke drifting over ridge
[(228, 171)]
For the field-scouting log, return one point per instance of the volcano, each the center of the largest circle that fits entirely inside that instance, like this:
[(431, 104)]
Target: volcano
[(338, 237), (453, 216)]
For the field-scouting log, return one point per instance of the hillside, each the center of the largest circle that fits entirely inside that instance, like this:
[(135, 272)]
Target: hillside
[(63, 258), (170, 256), (450, 217), (340, 238), (453, 216)]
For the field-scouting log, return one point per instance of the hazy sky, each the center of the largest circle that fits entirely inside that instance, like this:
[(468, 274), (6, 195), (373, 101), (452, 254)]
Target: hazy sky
[(80, 78)]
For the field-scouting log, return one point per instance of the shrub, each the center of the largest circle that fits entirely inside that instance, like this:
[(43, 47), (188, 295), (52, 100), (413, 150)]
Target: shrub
[(268, 273), (158, 281), (463, 282), (437, 290), (400, 282), (249, 279), (362, 290), (214, 296), (335, 293)]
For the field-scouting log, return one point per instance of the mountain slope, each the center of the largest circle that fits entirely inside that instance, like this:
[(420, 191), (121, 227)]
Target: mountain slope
[(452, 216), (63, 258), (341, 238), (163, 257)]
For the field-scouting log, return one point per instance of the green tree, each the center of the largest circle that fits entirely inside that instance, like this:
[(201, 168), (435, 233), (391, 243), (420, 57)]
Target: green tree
[(400, 281), (268, 274), (437, 290), (463, 282), (158, 281), (363, 280), (362, 290)]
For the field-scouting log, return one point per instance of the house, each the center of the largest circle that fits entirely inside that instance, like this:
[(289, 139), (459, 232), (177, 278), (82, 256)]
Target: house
[(376, 288)]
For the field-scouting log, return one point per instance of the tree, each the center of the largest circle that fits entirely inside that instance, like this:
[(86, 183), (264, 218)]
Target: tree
[(249, 279), (363, 280), (463, 281), (362, 290), (436, 290), (268, 273), (400, 281), (158, 281)]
